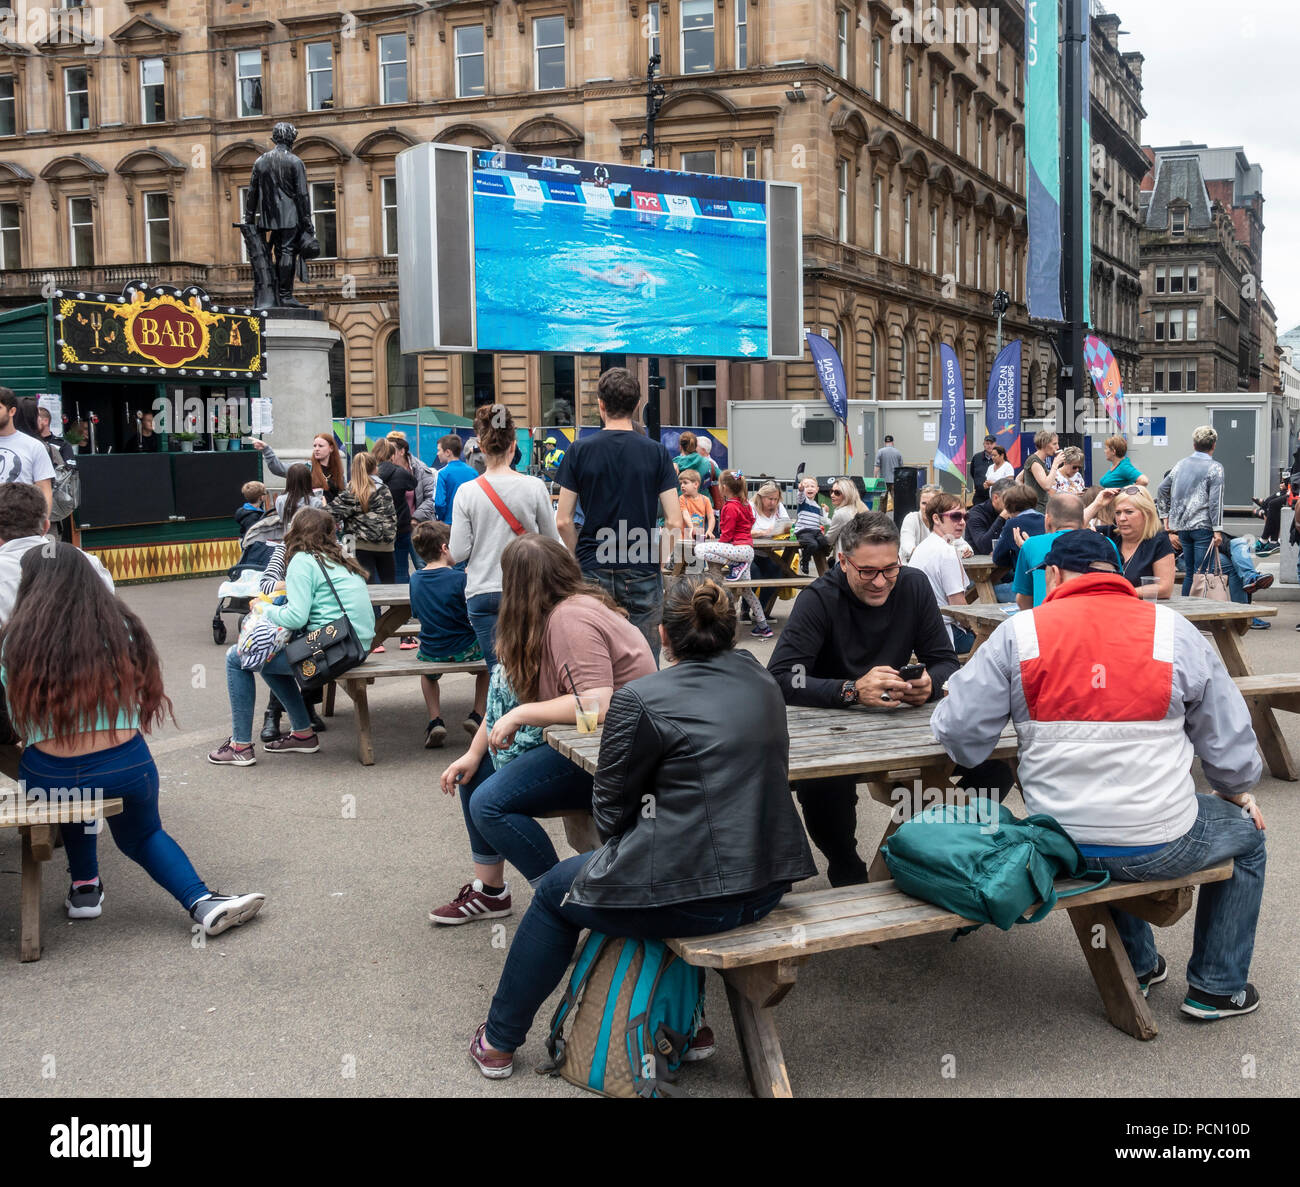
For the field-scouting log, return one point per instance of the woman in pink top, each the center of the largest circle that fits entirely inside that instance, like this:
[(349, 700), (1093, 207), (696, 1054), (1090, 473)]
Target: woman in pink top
[(556, 636), (734, 548)]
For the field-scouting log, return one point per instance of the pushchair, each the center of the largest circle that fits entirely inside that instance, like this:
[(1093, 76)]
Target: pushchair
[(241, 585)]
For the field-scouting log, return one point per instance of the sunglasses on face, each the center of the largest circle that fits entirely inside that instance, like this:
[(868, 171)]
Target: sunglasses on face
[(955, 516), (889, 572)]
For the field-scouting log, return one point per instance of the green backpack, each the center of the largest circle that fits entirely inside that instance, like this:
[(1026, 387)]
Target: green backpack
[(984, 864)]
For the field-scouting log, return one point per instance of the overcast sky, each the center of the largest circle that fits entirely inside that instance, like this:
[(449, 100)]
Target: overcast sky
[(1224, 74)]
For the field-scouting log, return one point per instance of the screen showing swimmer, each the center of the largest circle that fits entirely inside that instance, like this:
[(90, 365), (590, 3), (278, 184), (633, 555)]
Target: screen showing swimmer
[(583, 257)]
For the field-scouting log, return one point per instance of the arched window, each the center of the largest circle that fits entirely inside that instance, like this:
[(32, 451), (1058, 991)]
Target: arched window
[(402, 375), (904, 387), (936, 370), (339, 381), (877, 372)]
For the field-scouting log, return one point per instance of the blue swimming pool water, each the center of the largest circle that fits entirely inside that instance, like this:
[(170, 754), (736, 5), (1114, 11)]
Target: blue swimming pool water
[(549, 277)]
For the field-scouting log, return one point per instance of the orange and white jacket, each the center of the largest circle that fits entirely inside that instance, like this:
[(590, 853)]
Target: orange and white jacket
[(1110, 696)]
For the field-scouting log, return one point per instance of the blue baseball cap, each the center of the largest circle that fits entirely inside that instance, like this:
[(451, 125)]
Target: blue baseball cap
[(1081, 551)]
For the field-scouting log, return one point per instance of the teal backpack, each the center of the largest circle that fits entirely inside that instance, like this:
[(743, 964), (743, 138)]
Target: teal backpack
[(980, 862), (635, 1007)]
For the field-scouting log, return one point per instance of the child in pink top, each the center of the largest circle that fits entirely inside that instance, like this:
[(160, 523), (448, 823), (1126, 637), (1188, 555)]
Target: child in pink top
[(735, 546)]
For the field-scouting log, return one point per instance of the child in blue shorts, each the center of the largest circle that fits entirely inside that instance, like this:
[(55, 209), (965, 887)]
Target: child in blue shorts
[(446, 637)]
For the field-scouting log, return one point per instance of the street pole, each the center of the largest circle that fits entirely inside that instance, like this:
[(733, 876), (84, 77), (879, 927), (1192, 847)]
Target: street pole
[(654, 97), (1075, 175)]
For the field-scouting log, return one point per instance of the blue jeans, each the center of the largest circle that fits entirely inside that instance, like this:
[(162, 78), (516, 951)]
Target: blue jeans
[(127, 771), (962, 639), (242, 687), (499, 807), (1226, 912), (548, 933), (402, 557), (1196, 543), (1006, 592), (640, 593), (483, 610), (1243, 559)]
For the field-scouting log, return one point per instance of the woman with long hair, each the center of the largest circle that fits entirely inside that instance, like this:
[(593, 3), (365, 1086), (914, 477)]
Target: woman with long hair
[(314, 561), (1135, 529), (846, 503), (81, 687), (722, 846), (365, 511), (557, 638), (938, 558), (326, 464), (480, 530), (298, 492), (771, 520)]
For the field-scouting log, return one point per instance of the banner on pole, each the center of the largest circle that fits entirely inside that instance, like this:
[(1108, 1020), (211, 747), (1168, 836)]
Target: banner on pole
[(950, 455), (830, 373), (1043, 158), (1085, 181), (1104, 370), (1002, 402)]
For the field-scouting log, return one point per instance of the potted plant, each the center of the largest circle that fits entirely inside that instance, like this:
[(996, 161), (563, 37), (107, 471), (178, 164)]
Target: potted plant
[(75, 436), (187, 440), (220, 442)]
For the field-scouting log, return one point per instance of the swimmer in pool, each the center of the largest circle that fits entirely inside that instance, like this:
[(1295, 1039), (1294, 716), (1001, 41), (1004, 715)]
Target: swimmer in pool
[(622, 276)]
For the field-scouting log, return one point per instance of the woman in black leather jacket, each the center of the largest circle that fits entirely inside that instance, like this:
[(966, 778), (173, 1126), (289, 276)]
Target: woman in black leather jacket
[(701, 834)]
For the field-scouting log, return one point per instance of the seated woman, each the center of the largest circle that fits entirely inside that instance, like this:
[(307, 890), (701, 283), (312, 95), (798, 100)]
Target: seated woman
[(847, 503), (81, 687), (914, 529), (1144, 546), (312, 552), (937, 557), (556, 637), (723, 845)]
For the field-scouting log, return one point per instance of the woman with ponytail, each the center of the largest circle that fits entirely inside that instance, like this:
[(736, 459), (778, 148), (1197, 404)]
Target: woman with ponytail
[(721, 846)]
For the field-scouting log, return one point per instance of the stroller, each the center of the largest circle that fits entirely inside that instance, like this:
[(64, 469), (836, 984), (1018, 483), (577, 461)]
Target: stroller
[(241, 587)]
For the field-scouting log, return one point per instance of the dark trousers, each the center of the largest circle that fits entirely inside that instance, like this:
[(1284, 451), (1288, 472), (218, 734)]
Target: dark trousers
[(765, 567), (830, 814), (812, 543)]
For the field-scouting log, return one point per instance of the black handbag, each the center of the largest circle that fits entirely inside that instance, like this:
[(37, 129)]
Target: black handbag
[(326, 653)]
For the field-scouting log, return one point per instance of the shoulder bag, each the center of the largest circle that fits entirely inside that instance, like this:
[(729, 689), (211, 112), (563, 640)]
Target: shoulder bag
[(325, 653), (1210, 581)]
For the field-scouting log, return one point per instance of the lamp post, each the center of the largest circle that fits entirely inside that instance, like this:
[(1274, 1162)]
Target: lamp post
[(654, 100), (1001, 301)]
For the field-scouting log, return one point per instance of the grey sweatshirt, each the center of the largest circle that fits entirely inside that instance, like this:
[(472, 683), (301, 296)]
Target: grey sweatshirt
[(480, 533), (1191, 495)]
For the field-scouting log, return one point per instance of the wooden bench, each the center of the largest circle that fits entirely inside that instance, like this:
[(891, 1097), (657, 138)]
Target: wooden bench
[(37, 822), (1280, 690), (379, 667), (758, 963)]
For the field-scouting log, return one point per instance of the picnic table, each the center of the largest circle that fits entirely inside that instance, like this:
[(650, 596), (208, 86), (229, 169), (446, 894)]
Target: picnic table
[(980, 569), (785, 552), (398, 600), (1226, 622), (885, 744)]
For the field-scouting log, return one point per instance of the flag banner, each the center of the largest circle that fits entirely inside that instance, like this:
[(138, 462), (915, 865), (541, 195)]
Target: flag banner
[(1043, 159), (1085, 182), (1002, 403), (830, 372), (951, 453), (1104, 370)]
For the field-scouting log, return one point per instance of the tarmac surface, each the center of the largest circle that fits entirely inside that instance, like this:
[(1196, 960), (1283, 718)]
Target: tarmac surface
[(342, 988)]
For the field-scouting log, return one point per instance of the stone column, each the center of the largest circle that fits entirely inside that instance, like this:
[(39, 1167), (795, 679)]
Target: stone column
[(297, 382)]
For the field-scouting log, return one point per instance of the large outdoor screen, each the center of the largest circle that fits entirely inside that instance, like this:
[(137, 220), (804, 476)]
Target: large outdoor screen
[(582, 257)]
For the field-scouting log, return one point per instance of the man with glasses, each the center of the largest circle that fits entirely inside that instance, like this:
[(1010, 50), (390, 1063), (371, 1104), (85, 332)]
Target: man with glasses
[(848, 635)]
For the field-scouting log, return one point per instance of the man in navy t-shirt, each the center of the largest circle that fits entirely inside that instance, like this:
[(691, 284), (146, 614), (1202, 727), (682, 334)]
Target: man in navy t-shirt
[(624, 482)]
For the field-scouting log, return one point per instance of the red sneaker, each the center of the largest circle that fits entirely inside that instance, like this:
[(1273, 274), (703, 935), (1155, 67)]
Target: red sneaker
[(471, 904), (702, 1046), (493, 1065)]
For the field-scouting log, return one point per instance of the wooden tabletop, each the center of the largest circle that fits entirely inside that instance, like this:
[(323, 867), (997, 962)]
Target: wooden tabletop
[(826, 742), (979, 565), (979, 614), (388, 595)]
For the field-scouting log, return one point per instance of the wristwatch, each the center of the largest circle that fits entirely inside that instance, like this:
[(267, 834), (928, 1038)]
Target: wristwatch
[(849, 693)]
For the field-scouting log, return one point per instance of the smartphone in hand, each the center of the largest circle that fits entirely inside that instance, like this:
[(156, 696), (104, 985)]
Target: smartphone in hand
[(910, 672)]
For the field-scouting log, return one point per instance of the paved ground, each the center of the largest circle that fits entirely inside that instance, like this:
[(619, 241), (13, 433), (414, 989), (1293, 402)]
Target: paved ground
[(342, 988)]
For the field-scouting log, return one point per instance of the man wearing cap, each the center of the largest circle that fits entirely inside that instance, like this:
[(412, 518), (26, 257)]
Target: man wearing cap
[(1111, 697), (979, 469), (888, 459), (1064, 513)]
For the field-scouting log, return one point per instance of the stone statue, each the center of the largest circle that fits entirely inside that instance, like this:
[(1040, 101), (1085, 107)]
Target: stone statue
[(277, 226)]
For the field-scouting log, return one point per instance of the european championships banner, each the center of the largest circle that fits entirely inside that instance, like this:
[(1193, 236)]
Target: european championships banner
[(830, 371), (1043, 160), (1002, 403), (951, 453)]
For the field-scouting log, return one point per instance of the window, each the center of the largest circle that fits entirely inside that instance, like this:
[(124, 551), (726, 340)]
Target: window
[(76, 100), (548, 53), (324, 215), (557, 386), (1159, 377), (934, 240), (153, 102), (907, 228), (842, 205), (979, 259), (1001, 260), (1175, 325), (1191, 326), (997, 66), (8, 106), (877, 387), (478, 377), (998, 148), (392, 68), (1192, 277), (979, 142), (1178, 223), (877, 80), (1160, 326), (388, 201), (1160, 280), (320, 76), (242, 198), (248, 79), (958, 120), (157, 228), (402, 375), (742, 33), (959, 261), (1191, 376), (700, 162), (11, 247), (934, 110), (1015, 275), (877, 217), (1176, 280), (470, 72), (697, 36), (841, 40), (907, 91), (81, 230), (652, 29), (1174, 376), (750, 158)]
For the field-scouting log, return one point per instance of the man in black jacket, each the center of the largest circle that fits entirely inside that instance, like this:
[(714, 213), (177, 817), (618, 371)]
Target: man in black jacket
[(984, 524), (847, 636), (979, 471)]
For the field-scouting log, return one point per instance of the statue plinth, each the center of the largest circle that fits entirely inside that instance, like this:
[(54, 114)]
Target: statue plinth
[(297, 381)]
